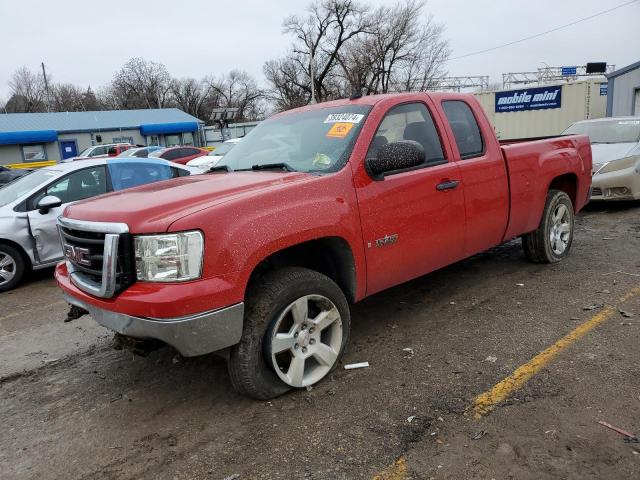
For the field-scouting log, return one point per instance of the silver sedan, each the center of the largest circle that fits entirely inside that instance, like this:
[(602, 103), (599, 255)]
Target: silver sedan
[(30, 206), (615, 147)]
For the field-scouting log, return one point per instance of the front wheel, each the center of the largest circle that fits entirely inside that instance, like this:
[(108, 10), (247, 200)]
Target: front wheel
[(551, 242), (12, 267), (295, 330)]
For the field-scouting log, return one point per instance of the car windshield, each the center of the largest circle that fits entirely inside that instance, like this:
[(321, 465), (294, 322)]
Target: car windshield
[(133, 173), (608, 131), (85, 152), (222, 149), (318, 140), (130, 153), (16, 189)]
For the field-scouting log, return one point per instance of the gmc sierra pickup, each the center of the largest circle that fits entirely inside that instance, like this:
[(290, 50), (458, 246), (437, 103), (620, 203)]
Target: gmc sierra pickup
[(316, 208)]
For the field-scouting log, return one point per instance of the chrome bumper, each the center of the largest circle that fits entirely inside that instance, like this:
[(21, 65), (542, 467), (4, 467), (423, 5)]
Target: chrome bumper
[(192, 335)]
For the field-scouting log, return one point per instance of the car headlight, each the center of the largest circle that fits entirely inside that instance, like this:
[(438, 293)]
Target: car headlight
[(620, 164), (169, 257)]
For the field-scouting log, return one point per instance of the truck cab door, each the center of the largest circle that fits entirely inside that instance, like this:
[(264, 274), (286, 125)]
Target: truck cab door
[(413, 221), (484, 175), (75, 186)]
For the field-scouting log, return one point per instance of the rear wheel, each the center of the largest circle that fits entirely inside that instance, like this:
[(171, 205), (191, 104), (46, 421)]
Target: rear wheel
[(295, 330), (551, 242), (12, 267)]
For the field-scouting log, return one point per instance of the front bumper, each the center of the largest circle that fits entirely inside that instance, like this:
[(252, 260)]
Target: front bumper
[(618, 185), (191, 335)]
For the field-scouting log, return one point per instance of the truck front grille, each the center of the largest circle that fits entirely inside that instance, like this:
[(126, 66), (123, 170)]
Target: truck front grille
[(99, 256)]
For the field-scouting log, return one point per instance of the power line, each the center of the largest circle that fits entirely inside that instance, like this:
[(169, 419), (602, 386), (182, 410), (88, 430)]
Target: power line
[(545, 33)]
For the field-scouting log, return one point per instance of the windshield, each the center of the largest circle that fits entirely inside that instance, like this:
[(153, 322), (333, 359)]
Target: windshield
[(222, 149), (157, 152), (608, 131), (133, 173), (130, 153), (16, 189), (85, 152), (312, 141)]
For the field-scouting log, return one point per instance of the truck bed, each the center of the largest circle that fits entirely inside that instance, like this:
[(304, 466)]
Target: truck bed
[(532, 165)]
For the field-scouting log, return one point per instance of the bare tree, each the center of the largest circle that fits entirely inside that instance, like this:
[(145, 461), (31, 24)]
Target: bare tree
[(190, 95), (66, 97), (405, 51), (240, 90), (318, 39), (289, 84), (27, 92), (141, 84), (90, 100)]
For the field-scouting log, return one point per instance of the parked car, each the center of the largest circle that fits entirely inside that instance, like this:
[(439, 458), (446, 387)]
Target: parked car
[(30, 206), (615, 143), (314, 209), (180, 155), (212, 158), (8, 175), (99, 151), (139, 152)]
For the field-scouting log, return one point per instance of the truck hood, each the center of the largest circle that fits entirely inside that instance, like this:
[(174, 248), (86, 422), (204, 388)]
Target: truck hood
[(606, 152), (154, 207)]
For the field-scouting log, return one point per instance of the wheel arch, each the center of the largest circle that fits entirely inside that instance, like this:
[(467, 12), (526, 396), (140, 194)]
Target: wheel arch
[(568, 183), (332, 256)]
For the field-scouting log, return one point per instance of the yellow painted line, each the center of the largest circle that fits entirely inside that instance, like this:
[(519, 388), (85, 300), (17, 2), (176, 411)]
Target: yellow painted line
[(486, 402), (397, 471)]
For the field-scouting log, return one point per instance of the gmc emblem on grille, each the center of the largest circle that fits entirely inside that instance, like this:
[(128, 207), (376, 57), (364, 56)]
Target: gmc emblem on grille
[(79, 255)]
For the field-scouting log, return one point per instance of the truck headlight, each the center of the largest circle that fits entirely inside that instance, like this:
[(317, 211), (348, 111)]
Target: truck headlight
[(620, 164), (170, 257)]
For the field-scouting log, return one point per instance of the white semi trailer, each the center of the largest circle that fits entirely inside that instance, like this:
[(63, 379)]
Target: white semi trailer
[(540, 111)]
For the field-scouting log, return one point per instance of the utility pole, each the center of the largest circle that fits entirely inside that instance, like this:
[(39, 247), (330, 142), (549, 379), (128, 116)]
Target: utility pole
[(46, 88), (312, 67)]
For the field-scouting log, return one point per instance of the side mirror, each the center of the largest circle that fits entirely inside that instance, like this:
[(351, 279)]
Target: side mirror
[(47, 203), (395, 156)]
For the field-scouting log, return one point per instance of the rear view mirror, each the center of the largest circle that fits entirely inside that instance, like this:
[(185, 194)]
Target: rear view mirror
[(398, 155), (47, 203)]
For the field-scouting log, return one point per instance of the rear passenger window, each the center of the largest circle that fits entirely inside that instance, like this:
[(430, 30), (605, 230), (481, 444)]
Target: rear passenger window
[(465, 128), (411, 121), (172, 154)]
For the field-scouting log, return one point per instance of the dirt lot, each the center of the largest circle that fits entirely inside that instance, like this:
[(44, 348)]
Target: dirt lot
[(73, 408)]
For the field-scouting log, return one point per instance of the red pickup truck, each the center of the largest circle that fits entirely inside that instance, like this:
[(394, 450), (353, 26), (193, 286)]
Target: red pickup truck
[(315, 209)]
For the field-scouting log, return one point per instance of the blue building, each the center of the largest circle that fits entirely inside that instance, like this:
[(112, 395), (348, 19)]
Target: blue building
[(35, 137)]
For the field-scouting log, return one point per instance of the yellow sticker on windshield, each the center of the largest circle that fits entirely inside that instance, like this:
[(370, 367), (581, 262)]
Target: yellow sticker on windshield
[(339, 130)]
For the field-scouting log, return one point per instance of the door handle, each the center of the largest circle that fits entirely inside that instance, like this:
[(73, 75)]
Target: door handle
[(447, 185)]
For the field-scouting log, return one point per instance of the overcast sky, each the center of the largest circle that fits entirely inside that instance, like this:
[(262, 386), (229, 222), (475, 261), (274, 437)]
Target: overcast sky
[(85, 45)]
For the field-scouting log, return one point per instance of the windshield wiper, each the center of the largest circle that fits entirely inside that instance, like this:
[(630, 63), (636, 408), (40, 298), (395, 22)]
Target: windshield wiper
[(269, 166), (220, 168)]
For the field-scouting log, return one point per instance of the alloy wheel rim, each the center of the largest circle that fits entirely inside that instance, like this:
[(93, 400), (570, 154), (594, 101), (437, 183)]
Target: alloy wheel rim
[(7, 268), (560, 231), (306, 340)]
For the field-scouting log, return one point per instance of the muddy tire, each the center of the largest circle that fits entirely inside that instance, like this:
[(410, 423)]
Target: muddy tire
[(551, 242), (12, 267), (296, 326)]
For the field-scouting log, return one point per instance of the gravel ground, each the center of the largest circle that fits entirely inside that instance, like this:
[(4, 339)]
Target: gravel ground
[(71, 407)]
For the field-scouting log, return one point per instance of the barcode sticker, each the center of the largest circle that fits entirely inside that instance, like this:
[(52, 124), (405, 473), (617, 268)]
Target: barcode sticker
[(344, 117)]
